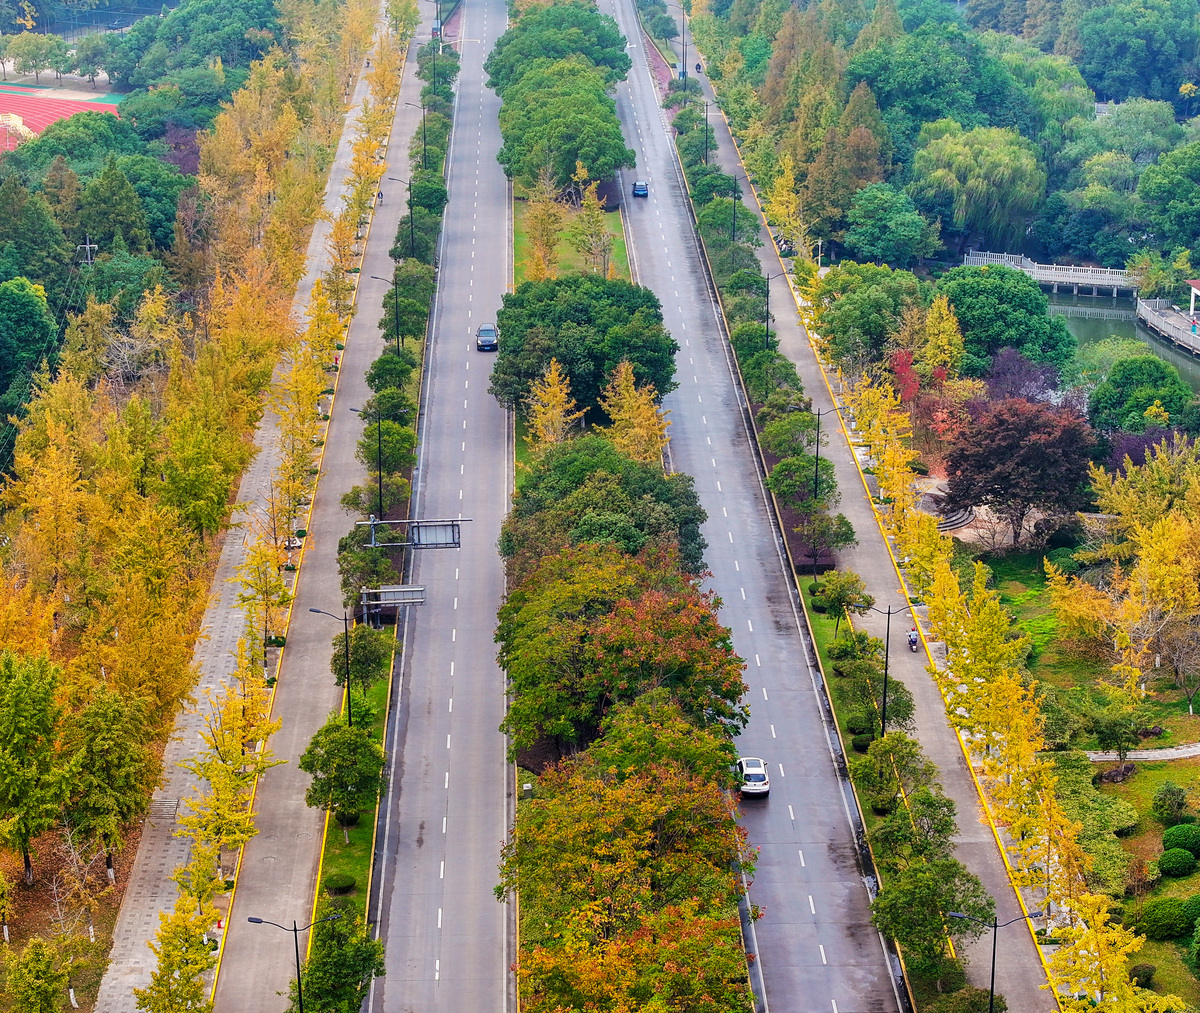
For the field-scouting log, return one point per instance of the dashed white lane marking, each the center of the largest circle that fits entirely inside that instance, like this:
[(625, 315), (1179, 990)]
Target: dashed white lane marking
[(751, 625), (791, 814), (773, 735), (447, 779), (443, 824), (453, 636), (456, 606), (802, 865), (729, 533), (765, 697), (737, 566), (442, 874), (447, 740), (440, 912), (759, 664), (781, 772), (811, 906), (450, 709), (437, 968), (743, 590), (822, 949), (718, 487)]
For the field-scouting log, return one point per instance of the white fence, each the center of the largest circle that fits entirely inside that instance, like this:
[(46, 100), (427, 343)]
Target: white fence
[(1054, 274), (1162, 318)]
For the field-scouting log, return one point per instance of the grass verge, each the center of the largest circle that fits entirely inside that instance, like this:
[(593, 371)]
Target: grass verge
[(353, 857), (569, 260)]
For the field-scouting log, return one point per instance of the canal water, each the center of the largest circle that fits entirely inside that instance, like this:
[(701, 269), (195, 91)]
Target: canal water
[(1092, 320)]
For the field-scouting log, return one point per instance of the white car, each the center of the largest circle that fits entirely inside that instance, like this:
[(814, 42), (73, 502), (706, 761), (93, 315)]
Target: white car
[(755, 779)]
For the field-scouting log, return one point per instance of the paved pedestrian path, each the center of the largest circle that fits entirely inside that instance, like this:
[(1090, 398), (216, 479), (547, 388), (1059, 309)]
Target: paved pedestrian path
[(1019, 972), (1180, 752), (305, 692)]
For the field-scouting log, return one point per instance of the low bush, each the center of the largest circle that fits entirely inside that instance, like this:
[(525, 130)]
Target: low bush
[(1191, 908), (1170, 803), (1142, 974), (859, 724), (339, 883), (1164, 918), (1182, 835), (1177, 862), (861, 743), (968, 1000)]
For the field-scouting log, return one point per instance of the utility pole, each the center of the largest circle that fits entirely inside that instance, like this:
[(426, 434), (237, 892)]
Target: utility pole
[(88, 248)]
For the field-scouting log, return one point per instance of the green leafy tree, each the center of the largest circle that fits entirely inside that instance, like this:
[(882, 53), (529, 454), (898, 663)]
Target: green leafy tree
[(653, 730), (998, 307), (111, 207), (892, 764), (33, 778), (1140, 392), (913, 909), (31, 53), (556, 32), (790, 434), (114, 768), (1136, 50), (1170, 192), (922, 831), (91, 55), (26, 331), (590, 324), (803, 482), (370, 655), (387, 445), (37, 980), (346, 765), (1170, 803), (844, 591), (989, 178), (342, 962), (886, 226)]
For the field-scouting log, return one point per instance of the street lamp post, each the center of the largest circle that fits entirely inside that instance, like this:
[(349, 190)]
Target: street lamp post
[(683, 35), (295, 930), (706, 131), (378, 450), (995, 926), (424, 148), (887, 653), (412, 235), (395, 306), (349, 689), (737, 199), (817, 446), (767, 322)]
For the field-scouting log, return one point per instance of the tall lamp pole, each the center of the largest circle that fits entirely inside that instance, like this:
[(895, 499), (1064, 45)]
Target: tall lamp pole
[(706, 131), (817, 445), (887, 653), (737, 199), (424, 149), (683, 35), (295, 930), (395, 307), (362, 413), (412, 235), (346, 630), (995, 926), (767, 322)]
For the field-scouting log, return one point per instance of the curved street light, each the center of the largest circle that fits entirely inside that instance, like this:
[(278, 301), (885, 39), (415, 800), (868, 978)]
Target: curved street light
[(295, 930), (346, 630), (996, 926)]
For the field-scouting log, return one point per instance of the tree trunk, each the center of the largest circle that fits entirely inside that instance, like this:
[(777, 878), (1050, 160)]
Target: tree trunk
[(28, 866)]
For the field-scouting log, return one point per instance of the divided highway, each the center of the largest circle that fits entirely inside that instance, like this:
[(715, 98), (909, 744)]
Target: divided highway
[(446, 812), (817, 948)]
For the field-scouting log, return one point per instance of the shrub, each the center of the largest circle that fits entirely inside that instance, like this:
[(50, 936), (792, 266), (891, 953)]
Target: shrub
[(339, 883), (1164, 918), (968, 1000), (858, 725), (861, 743), (1170, 802), (1191, 908), (1177, 862), (1182, 835), (1142, 974)]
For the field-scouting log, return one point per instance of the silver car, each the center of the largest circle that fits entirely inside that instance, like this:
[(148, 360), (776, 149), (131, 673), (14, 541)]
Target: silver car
[(754, 776)]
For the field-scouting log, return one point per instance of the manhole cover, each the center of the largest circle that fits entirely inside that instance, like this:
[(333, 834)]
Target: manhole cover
[(303, 836), (267, 858), (271, 837)]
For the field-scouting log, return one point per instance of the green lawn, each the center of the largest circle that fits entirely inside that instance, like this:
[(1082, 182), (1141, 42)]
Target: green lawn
[(568, 259), (354, 858), (1021, 582), (1172, 975)]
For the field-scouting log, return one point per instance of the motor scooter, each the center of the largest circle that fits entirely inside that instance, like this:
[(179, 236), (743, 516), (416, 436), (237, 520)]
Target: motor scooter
[(912, 640)]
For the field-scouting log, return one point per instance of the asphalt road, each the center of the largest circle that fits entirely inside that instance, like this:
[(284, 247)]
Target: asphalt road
[(446, 813), (817, 949)]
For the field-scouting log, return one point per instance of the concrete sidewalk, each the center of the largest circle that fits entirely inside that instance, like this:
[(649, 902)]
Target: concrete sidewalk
[(1019, 972), (305, 692), (279, 865)]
